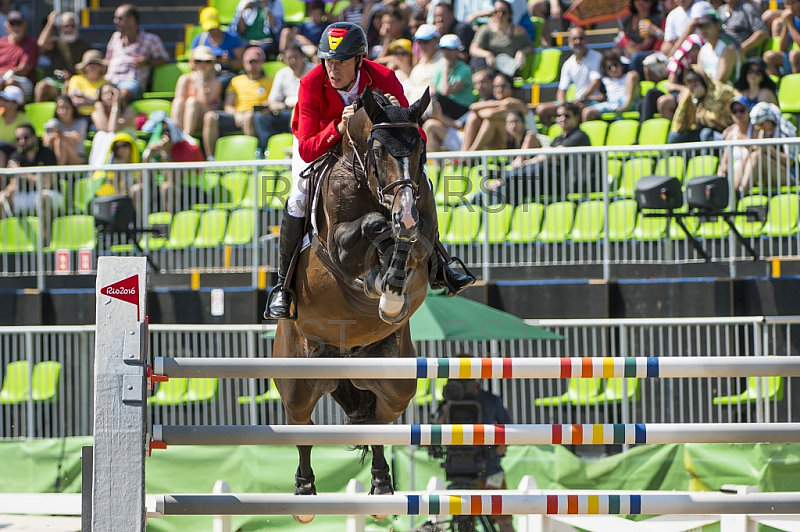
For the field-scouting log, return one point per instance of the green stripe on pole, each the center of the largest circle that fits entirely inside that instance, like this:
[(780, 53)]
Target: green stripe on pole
[(630, 367), (444, 368)]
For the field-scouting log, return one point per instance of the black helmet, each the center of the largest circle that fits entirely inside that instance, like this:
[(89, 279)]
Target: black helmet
[(341, 41)]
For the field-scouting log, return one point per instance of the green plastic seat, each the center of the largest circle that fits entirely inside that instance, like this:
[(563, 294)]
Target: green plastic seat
[(443, 214), (621, 220), (83, 192), (782, 215), (546, 66), (188, 38), (454, 186), (236, 148), (165, 78), (654, 132), (46, 380), (279, 146), (558, 219), (18, 235), (240, 228), (554, 131), (746, 228), (39, 113), (788, 94), (622, 133), (613, 391), (672, 166), (580, 392), (294, 11), (280, 193), (16, 383), (226, 8), (498, 223), (701, 165), (465, 222), (596, 130), (73, 233), (771, 389), (649, 229), (589, 219), (233, 188), (155, 104), (432, 171), (169, 393), (156, 218), (211, 228), (183, 230), (271, 68), (633, 170), (526, 224), (645, 86), (270, 396), (201, 389)]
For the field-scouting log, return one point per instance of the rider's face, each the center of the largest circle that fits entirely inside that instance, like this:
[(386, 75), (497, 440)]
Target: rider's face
[(341, 73)]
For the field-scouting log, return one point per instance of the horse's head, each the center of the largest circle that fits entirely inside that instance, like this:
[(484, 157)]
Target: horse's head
[(396, 156)]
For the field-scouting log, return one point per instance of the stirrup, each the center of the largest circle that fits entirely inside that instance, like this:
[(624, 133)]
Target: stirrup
[(280, 287), (452, 290)]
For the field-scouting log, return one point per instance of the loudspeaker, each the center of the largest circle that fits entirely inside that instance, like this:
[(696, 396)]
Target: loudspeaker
[(707, 193), (659, 192), (114, 213)]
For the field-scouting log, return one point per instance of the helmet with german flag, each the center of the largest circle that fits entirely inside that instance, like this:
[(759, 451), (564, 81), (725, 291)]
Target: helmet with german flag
[(342, 41)]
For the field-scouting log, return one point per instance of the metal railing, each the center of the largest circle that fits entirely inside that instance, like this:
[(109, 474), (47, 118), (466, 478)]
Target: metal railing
[(577, 208), (65, 407)]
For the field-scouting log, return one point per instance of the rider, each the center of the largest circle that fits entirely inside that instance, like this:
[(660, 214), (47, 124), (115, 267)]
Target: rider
[(323, 109)]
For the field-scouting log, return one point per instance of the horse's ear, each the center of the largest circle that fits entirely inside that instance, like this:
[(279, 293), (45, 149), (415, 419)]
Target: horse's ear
[(368, 102), (418, 108)]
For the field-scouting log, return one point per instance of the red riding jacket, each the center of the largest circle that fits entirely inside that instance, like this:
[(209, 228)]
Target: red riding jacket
[(319, 106)]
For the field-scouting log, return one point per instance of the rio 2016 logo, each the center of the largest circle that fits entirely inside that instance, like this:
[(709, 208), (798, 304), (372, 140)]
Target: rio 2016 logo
[(125, 290)]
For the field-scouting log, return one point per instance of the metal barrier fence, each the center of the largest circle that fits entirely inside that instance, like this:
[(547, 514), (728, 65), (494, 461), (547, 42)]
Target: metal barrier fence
[(54, 400), (566, 207)]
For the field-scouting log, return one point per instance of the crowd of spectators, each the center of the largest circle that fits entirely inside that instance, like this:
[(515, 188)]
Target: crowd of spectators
[(716, 59)]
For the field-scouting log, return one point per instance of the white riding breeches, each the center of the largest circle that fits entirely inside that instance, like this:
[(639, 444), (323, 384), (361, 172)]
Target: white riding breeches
[(296, 202)]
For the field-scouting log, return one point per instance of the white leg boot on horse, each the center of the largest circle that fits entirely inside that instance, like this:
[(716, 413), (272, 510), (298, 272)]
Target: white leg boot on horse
[(281, 298)]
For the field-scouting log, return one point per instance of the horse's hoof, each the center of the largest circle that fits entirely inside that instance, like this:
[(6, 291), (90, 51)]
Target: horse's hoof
[(304, 519), (394, 309), (372, 283)]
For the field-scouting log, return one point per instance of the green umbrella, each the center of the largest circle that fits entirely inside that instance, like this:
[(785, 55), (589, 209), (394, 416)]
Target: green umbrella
[(460, 319)]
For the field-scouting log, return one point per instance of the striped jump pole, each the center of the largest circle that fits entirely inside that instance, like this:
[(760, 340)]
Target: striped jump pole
[(590, 434), (479, 503), (477, 368)]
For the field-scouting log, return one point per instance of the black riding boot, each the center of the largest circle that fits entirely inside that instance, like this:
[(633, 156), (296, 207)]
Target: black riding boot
[(280, 302), (447, 277)]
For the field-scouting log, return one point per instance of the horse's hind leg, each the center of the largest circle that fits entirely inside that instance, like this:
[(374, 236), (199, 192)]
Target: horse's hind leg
[(381, 479)]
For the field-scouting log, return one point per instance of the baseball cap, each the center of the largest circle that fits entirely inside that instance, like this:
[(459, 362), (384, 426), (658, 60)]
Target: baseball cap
[(426, 32), (202, 53), (708, 17), (254, 52), (400, 44), (741, 100), (209, 18), (13, 93), (15, 16), (450, 41)]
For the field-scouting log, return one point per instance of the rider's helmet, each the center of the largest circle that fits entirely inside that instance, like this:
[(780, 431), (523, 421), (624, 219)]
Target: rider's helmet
[(342, 41)]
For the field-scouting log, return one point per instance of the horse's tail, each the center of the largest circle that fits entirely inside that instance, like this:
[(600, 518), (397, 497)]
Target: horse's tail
[(359, 407)]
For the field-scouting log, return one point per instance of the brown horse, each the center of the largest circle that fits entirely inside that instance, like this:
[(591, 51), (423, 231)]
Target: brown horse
[(364, 275)]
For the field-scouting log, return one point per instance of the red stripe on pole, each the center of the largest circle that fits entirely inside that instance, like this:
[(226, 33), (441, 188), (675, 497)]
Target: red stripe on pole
[(566, 368), (497, 505), (556, 434), (586, 367), (552, 504), (500, 435), (507, 368)]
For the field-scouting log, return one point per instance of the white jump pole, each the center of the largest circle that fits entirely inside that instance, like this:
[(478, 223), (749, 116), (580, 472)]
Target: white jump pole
[(479, 503), (477, 368), (118, 501)]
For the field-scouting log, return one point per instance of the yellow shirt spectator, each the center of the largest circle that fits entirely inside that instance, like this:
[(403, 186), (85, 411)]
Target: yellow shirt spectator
[(249, 92), (82, 89)]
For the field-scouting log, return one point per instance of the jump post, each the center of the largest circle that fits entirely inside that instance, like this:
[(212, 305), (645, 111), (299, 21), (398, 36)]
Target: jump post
[(117, 501)]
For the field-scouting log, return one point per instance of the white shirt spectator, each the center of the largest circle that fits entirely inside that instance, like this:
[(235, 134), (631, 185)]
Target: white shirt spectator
[(580, 74), (679, 18), (286, 85)]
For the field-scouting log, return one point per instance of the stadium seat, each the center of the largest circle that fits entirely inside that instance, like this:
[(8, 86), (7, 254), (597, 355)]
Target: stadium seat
[(789, 94), (169, 393), (465, 222), (39, 113), (672, 165), (153, 242), (613, 391), (226, 9), (240, 228), (701, 165), (16, 383), (579, 392), (189, 34), (432, 171), (554, 131), (632, 171), (270, 396), (183, 230), (271, 68), (622, 133), (454, 185), (46, 381), (621, 220), (596, 131), (443, 213), (782, 215), (18, 235), (771, 389), (558, 218), (211, 228), (294, 11), (201, 389), (148, 106), (747, 228), (83, 192), (649, 229), (73, 233), (279, 147), (498, 223), (654, 132), (526, 224), (714, 228), (236, 148), (165, 78), (546, 66), (233, 189), (589, 219)]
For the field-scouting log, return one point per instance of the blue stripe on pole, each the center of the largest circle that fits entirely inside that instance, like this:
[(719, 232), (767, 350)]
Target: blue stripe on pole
[(422, 368), (652, 367), (640, 431), (413, 504), (636, 504), (416, 435)]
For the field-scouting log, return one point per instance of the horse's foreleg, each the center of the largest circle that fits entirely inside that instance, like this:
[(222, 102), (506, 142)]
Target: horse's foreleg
[(381, 478), (304, 480)]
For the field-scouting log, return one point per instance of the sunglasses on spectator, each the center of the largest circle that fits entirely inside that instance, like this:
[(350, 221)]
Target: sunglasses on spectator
[(754, 71), (207, 61), (501, 12), (501, 85), (15, 23), (738, 110), (255, 61), (564, 115), (613, 65), (23, 138)]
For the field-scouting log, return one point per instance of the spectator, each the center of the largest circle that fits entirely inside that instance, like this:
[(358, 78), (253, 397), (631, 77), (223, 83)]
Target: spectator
[(130, 55), (500, 38), (246, 92), (718, 56), (485, 126), (446, 134), (12, 104), (582, 69), (788, 30), (121, 150), (197, 92), (682, 22), (771, 166), (741, 129), (107, 116), (307, 34), (61, 50), (394, 25), (401, 61), (354, 12), (515, 189), (637, 40), (444, 20), (550, 10), (754, 84), (655, 100), (742, 21), (427, 40), (283, 95), (259, 23), (471, 12), (621, 88), (38, 192), (84, 87), (226, 47), (65, 134), (19, 54), (703, 111), (452, 79)]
